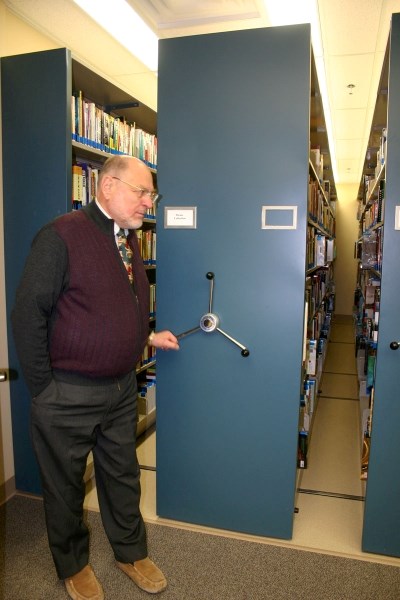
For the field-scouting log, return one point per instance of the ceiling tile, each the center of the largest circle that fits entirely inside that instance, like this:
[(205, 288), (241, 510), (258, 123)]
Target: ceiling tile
[(347, 25), (345, 70), (349, 124), (349, 149), (349, 169)]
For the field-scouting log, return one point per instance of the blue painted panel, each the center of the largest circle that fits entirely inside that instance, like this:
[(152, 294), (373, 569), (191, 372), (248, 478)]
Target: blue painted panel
[(36, 116), (233, 129), (382, 506)]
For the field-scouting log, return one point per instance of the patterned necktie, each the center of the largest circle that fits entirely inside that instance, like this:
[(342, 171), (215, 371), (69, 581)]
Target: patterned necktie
[(125, 252)]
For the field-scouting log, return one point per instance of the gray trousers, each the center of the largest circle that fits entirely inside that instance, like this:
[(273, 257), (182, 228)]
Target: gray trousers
[(67, 422)]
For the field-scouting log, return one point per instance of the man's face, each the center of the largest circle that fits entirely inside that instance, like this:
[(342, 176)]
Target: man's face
[(127, 201)]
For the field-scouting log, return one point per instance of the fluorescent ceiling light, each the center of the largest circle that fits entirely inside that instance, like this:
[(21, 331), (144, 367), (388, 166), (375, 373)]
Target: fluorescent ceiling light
[(293, 12), (124, 24)]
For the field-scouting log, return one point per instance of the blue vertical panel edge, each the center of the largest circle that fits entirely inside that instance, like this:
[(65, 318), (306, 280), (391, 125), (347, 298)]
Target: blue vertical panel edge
[(233, 132), (381, 533), (36, 116)]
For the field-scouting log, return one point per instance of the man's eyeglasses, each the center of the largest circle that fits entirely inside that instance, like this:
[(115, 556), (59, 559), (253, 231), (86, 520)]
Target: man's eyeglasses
[(155, 197)]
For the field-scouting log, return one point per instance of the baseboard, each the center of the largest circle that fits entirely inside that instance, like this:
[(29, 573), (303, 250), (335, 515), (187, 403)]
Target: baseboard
[(7, 490)]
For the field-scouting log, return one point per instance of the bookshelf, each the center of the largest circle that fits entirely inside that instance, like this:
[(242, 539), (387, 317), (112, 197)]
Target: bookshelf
[(319, 282), (376, 311), (38, 155), (245, 132)]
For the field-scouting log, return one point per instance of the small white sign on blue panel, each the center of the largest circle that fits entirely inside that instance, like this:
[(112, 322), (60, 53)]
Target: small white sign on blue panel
[(180, 217), (279, 217)]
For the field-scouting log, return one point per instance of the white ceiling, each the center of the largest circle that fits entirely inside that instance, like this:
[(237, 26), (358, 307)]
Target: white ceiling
[(354, 34)]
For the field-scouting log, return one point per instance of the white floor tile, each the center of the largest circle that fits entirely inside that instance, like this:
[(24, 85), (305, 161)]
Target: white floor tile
[(146, 451)]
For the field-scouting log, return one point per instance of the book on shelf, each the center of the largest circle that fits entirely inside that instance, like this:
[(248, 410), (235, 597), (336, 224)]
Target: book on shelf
[(153, 304), (320, 250), (77, 186), (111, 133), (381, 201), (302, 450), (84, 183), (311, 363)]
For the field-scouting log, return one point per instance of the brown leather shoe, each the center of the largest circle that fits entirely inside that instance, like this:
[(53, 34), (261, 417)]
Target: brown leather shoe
[(84, 585), (145, 574)]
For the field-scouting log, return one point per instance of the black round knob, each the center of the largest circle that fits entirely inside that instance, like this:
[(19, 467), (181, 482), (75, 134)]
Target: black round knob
[(210, 275), (245, 352), (394, 345)]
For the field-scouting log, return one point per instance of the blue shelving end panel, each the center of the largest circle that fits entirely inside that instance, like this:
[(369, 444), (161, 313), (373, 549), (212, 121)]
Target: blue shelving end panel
[(36, 118), (382, 507), (233, 130)]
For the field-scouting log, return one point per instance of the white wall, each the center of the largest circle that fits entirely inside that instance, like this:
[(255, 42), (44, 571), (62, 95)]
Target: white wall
[(16, 37), (346, 235)]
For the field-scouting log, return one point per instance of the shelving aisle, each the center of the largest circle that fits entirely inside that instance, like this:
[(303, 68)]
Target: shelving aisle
[(330, 498), (331, 494)]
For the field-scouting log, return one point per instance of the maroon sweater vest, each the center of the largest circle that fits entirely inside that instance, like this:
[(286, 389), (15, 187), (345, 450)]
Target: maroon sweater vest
[(102, 324)]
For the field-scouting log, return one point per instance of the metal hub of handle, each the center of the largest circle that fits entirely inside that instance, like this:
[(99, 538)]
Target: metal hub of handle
[(210, 321)]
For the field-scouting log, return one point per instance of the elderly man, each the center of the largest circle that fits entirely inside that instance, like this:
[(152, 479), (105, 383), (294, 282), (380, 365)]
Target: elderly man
[(81, 322)]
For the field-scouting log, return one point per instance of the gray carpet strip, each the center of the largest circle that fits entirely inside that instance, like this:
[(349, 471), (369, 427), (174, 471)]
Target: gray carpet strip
[(198, 566)]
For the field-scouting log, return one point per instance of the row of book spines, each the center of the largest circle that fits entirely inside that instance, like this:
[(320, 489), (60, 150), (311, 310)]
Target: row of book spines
[(317, 333), (367, 294), (308, 401), (372, 250), (84, 184), (317, 208), (369, 180), (90, 121), (318, 286), (319, 325), (302, 450), (367, 311), (147, 240), (329, 231), (320, 249), (368, 348), (148, 356), (153, 303), (308, 396), (365, 278), (375, 213), (143, 153)]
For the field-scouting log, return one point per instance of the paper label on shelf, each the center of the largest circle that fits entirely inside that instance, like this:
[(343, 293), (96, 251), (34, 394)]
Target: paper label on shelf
[(180, 217)]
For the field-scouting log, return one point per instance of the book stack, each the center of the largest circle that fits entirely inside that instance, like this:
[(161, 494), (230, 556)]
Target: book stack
[(94, 127), (153, 306), (147, 240), (84, 183)]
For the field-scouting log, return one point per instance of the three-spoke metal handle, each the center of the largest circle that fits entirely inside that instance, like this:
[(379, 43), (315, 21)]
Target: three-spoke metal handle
[(210, 321)]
